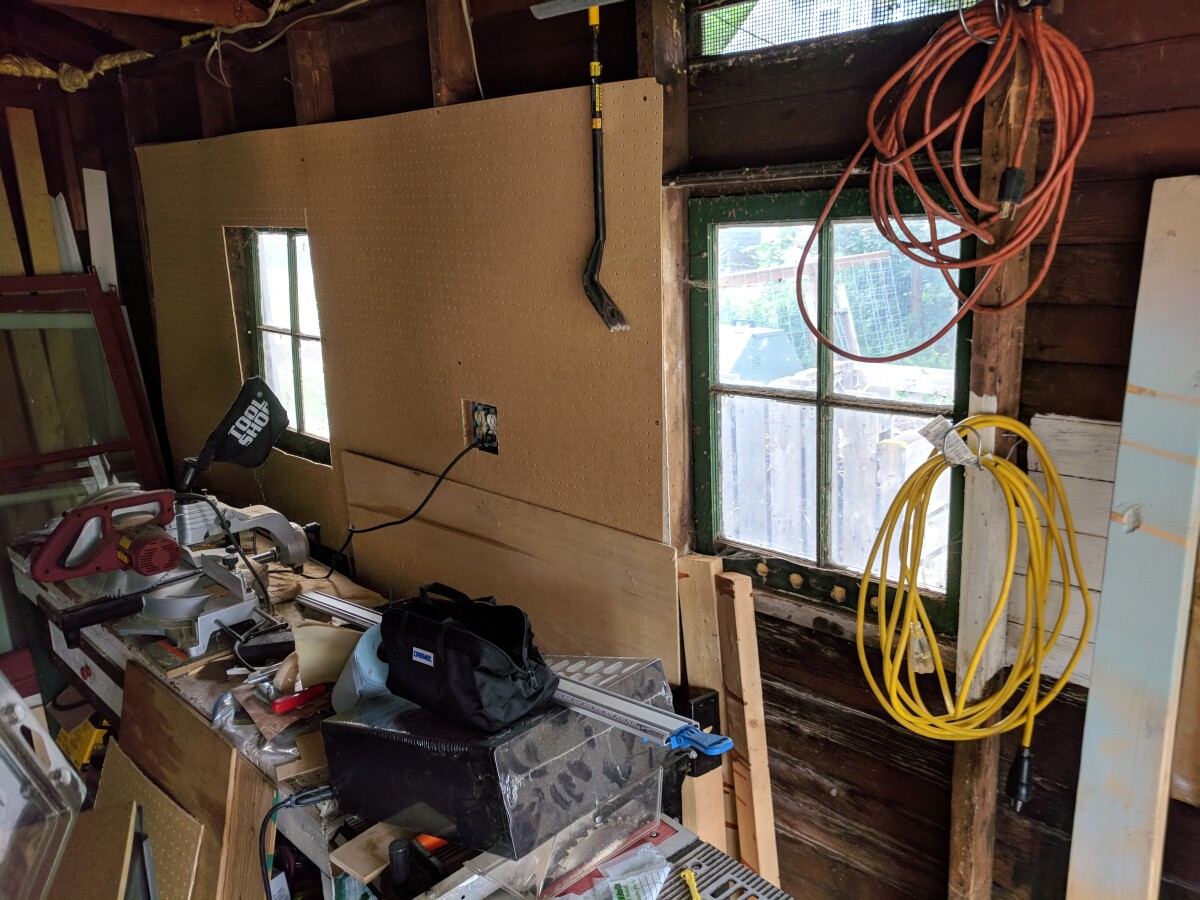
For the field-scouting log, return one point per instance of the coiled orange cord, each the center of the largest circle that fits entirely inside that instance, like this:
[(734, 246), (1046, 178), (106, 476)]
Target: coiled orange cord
[(913, 91)]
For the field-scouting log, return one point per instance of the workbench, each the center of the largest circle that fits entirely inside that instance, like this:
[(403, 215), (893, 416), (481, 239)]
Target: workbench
[(97, 667)]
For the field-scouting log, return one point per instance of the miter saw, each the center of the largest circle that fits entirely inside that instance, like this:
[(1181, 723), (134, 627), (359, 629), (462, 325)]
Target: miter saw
[(170, 562)]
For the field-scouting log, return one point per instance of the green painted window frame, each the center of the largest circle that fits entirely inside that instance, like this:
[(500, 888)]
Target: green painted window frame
[(821, 583), (294, 440)]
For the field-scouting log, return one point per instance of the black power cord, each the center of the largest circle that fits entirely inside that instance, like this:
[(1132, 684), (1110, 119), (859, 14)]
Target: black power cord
[(340, 553), (302, 798)]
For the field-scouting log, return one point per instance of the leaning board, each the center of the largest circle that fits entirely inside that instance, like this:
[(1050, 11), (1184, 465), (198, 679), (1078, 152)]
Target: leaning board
[(589, 589)]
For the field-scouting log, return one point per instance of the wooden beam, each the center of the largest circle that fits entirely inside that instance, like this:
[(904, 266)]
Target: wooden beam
[(451, 53), (203, 12), (217, 115), (662, 55), (312, 83), (133, 31), (997, 348), (1149, 574), (35, 198)]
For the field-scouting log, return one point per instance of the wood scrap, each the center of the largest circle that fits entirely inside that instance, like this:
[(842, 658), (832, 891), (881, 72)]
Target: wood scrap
[(312, 758), (366, 856), (747, 726)]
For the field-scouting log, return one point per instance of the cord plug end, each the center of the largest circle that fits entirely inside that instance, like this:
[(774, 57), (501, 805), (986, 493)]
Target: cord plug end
[(312, 796), (1020, 779), (1012, 191)]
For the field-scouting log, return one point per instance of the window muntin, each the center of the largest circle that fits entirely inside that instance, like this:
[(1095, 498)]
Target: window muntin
[(755, 25), (804, 449), (287, 334)]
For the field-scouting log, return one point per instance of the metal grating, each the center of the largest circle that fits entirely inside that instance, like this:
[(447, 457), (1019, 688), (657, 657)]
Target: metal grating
[(759, 24)]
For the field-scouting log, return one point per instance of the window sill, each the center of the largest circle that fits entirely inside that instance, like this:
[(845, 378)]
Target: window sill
[(837, 622)]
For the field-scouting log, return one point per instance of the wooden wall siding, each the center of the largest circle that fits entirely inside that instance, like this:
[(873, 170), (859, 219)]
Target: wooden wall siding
[(861, 806)]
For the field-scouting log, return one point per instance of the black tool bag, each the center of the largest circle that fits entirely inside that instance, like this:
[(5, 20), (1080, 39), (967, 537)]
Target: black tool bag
[(470, 661)]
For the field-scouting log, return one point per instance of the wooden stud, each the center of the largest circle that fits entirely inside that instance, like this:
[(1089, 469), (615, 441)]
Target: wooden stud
[(1149, 575), (203, 12), (72, 183), (312, 83), (747, 726), (662, 55), (997, 348), (451, 56), (217, 115)]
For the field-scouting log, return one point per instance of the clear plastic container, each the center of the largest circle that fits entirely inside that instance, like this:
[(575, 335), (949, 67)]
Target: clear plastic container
[(40, 796)]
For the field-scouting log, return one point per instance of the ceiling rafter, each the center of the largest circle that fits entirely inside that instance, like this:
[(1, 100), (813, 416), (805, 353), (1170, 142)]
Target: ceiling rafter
[(202, 12)]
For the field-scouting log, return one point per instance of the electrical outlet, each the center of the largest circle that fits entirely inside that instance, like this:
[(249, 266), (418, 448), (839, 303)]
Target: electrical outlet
[(482, 427)]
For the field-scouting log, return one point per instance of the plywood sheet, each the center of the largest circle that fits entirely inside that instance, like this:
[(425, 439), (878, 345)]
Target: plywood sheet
[(174, 835), (588, 589), (448, 247)]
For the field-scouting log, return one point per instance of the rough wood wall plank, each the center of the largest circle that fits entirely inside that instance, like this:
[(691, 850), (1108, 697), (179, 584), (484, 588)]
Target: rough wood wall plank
[(747, 726), (559, 569), (1089, 275), (1060, 334)]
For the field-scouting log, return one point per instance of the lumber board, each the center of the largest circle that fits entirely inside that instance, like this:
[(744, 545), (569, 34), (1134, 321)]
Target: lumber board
[(1146, 145), (700, 626), (250, 796), (312, 79), (10, 249), (95, 863), (704, 808), (1124, 778), (747, 726), (1071, 389), (312, 757), (35, 197), (1061, 334), (1089, 275), (588, 589), (202, 12), (175, 836), (366, 856)]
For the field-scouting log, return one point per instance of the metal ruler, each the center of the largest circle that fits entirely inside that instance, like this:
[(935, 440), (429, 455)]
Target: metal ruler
[(658, 726)]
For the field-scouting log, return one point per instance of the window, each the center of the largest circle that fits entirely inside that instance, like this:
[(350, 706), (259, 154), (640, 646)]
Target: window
[(287, 336), (799, 452), (757, 24)]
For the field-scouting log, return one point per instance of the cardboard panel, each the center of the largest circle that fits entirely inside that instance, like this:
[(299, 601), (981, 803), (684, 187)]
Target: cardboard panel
[(448, 249), (589, 590)]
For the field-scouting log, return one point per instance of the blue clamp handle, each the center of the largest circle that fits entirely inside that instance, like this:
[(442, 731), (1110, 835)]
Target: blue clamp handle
[(692, 738)]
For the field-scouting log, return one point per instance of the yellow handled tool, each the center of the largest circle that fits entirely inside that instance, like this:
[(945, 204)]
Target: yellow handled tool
[(690, 878)]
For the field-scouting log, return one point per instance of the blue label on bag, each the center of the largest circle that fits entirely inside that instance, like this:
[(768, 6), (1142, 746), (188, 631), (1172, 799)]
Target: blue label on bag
[(422, 656)]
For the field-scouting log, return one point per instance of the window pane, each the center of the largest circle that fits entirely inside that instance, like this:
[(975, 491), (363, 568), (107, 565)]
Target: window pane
[(761, 337), (273, 280), (768, 473), (312, 383), (277, 370), (875, 453), (884, 303), (306, 290)]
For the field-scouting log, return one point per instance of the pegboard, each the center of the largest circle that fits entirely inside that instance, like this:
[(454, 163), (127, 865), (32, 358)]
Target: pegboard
[(174, 835), (448, 250)]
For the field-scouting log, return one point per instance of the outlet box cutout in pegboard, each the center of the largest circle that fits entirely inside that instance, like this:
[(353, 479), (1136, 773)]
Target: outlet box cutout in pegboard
[(482, 420)]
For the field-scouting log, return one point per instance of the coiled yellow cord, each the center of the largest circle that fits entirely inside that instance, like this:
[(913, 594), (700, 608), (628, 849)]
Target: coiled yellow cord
[(903, 619)]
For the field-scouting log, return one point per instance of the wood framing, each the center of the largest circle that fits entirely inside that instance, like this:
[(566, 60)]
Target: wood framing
[(312, 81), (997, 347), (204, 12), (451, 52), (1150, 567), (216, 103)]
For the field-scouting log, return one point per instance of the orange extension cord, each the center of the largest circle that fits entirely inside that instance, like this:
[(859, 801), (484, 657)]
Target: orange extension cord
[(913, 90)]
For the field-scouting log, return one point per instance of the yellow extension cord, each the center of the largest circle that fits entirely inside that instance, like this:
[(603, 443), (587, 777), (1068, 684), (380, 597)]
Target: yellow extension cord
[(903, 621)]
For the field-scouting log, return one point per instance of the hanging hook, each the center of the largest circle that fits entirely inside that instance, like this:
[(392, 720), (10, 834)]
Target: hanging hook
[(963, 21)]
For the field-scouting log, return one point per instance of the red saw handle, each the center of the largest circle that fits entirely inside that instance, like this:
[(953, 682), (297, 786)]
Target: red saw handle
[(49, 563)]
